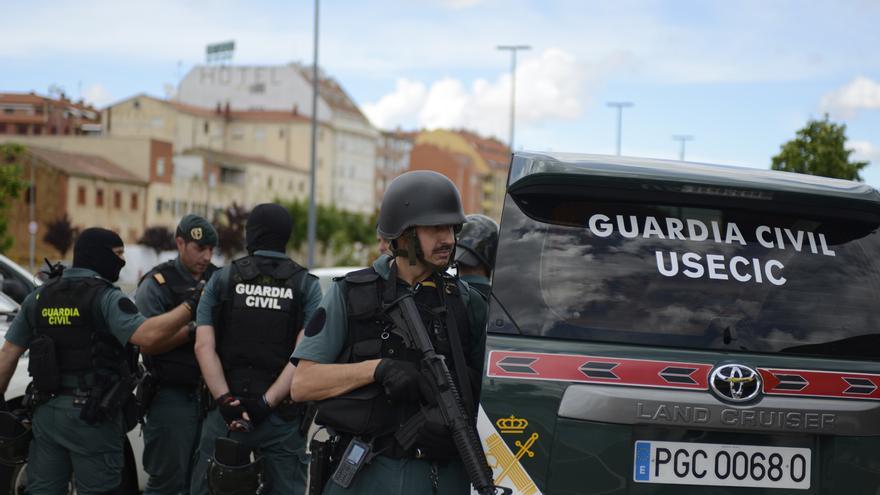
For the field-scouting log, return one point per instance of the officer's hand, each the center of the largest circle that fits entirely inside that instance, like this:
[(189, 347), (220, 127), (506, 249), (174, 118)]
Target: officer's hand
[(257, 409), (400, 379), (231, 409), (193, 294)]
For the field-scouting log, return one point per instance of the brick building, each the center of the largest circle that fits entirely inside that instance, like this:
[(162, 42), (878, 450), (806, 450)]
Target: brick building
[(29, 114)]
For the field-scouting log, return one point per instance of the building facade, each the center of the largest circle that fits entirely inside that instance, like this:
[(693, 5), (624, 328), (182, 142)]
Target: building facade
[(87, 189), (29, 114)]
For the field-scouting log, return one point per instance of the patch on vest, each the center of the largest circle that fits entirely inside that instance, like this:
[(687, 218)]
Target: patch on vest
[(316, 324), (59, 316), (126, 306), (263, 296)]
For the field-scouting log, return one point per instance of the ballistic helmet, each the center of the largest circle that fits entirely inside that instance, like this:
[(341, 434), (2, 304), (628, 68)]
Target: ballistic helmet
[(231, 470), (419, 197), (15, 438), (477, 242)]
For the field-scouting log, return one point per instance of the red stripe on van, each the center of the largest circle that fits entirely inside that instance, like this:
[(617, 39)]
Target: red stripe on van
[(597, 369), (820, 383)]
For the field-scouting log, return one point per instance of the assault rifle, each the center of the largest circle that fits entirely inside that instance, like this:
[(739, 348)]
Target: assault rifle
[(54, 270), (405, 315)]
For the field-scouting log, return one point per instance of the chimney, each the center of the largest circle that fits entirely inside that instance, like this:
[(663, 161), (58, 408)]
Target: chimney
[(226, 111), (296, 109), (219, 108)]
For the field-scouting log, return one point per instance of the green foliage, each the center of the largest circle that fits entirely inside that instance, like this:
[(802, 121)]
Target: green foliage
[(230, 230), (10, 187), (819, 149), (340, 232)]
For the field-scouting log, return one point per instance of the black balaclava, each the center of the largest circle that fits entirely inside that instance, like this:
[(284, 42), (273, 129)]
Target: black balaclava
[(268, 228), (94, 250)]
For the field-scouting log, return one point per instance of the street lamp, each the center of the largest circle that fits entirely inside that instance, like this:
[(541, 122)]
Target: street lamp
[(312, 227), (683, 138), (620, 105), (513, 49)]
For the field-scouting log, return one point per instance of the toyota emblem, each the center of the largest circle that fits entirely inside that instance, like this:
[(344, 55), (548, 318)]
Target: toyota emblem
[(735, 382)]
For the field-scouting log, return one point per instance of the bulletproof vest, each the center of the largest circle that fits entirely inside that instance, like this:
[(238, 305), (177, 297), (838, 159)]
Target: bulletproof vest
[(177, 366), (258, 320), (82, 342), (372, 334), (482, 288)]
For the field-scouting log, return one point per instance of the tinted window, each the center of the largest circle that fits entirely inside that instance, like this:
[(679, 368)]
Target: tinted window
[(731, 279)]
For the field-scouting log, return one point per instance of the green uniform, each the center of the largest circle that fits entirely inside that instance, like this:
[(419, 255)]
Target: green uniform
[(173, 422), (63, 444), (478, 282), (384, 475), (280, 442)]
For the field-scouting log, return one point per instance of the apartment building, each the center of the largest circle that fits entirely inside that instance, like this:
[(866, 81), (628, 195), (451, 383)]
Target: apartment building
[(29, 114)]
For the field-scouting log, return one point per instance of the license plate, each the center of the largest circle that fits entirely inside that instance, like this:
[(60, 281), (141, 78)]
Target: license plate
[(714, 464)]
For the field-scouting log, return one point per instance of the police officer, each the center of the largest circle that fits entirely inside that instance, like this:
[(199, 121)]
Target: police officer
[(250, 317), (351, 347), (475, 251), (173, 421), (77, 327)]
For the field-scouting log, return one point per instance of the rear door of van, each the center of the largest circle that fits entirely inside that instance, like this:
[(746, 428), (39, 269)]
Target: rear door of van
[(642, 342)]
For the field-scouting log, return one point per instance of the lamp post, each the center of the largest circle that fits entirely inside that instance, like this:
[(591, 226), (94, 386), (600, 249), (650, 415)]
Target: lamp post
[(513, 49), (620, 105), (683, 138), (312, 222)]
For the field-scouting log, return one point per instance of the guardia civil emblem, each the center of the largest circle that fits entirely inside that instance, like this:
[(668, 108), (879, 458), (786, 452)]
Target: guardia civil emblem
[(196, 233)]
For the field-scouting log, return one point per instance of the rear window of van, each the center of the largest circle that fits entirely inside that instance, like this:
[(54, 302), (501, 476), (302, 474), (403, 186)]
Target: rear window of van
[(694, 277)]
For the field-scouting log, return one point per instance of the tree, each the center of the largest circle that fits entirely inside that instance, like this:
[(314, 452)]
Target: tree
[(230, 230), (60, 234), (158, 238), (10, 186), (819, 149)]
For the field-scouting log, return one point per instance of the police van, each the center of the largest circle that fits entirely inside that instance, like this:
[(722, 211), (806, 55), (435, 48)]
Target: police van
[(663, 327)]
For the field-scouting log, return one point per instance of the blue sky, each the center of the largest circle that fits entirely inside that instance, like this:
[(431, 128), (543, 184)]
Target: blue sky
[(741, 77)]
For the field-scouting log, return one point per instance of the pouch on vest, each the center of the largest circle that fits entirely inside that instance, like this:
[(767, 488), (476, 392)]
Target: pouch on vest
[(363, 411), (43, 365)]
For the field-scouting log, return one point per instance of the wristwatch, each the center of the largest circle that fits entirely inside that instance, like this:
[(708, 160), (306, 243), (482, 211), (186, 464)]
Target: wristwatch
[(191, 331)]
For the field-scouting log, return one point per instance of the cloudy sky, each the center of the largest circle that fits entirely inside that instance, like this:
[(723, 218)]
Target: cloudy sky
[(739, 76)]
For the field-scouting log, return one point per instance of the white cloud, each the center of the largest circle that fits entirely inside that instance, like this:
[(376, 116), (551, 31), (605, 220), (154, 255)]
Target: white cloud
[(550, 86), (97, 95), (864, 151), (862, 93), (398, 107)]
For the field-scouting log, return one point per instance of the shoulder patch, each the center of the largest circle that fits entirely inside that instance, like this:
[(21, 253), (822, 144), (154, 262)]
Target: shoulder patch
[(316, 324), (159, 278), (127, 306)]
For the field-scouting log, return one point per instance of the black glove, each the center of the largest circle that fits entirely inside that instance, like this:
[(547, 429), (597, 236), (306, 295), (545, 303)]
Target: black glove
[(193, 294), (231, 414), (258, 409), (400, 379)]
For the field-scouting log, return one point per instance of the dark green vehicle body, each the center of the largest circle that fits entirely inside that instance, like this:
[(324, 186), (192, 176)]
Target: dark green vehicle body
[(607, 324)]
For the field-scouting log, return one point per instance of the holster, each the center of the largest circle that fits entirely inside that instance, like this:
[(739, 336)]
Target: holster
[(43, 365), (145, 393), (320, 467)]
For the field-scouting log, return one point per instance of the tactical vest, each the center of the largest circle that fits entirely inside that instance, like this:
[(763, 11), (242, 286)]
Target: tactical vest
[(372, 334), (81, 340), (178, 366), (258, 320)]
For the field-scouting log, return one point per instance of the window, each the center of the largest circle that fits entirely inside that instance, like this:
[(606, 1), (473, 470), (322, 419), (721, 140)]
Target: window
[(21, 129), (99, 197), (281, 133), (81, 195), (117, 200), (158, 206), (269, 182), (724, 278), (259, 134), (207, 127), (160, 167), (134, 201)]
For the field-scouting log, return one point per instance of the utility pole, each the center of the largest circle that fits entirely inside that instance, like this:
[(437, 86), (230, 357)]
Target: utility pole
[(32, 222), (312, 225), (683, 138), (620, 105), (513, 49)]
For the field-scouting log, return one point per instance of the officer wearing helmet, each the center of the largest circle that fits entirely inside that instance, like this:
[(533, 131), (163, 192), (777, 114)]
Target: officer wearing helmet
[(249, 319), (171, 393), (78, 327), (355, 362), (475, 252)]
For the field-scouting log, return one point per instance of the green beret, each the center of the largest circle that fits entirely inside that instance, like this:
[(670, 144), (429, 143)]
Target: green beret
[(197, 229)]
